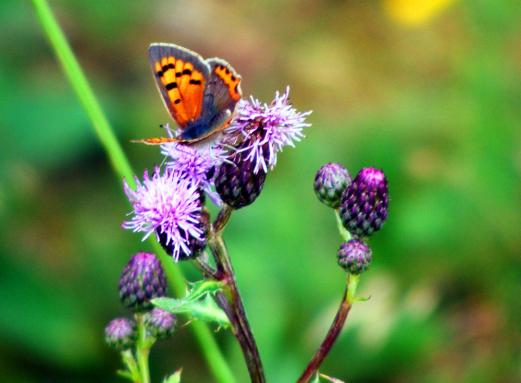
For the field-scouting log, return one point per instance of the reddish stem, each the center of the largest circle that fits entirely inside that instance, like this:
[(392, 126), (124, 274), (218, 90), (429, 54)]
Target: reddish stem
[(329, 340)]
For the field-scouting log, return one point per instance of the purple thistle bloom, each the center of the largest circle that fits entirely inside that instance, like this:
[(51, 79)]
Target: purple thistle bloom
[(167, 204), (195, 161), (264, 130)]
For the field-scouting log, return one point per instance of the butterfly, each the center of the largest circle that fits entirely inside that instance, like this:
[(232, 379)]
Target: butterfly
[(199, 94)]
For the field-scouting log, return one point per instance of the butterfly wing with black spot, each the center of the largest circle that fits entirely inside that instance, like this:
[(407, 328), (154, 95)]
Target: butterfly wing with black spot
[(181, 77), (224, 86)]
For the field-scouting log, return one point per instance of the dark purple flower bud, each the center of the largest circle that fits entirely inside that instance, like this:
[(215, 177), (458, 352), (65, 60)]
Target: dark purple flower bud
[(354, 256), (195, 244), (330, 182), (160, 323), (120, 333), (364, 204), (237, 182), (142, 279)]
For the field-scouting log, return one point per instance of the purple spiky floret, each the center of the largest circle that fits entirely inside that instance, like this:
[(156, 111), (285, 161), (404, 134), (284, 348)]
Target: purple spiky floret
[(330, 182), (141, 281), (168, 204), (160, 323), (265, 129), (365, 203), (120, 333), (354, 256), (195, 161), (195, 245)]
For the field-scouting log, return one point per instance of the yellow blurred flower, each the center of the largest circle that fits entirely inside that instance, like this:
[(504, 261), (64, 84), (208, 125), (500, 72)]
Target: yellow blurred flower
[(415, 12)]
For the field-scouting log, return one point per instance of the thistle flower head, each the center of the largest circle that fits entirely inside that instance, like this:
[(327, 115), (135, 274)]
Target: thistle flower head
[(364, 203), (195, 245), (354, 256), (142, 280), (168, 204), (160, 323), (196, 162), (330, 182), (121, 333), (265, 129)]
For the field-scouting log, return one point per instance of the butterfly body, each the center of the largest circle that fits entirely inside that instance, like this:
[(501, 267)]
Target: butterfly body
[(199, 94)]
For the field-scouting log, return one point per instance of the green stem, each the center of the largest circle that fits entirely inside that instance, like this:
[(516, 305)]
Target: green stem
[(122, 168), (143, 346), (346, 236), (132, 372)]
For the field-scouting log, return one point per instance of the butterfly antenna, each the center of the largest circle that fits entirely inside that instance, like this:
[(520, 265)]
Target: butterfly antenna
[(156, 141)]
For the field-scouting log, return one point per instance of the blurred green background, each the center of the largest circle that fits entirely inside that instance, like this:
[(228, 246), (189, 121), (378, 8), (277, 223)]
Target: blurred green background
[(429, 91)]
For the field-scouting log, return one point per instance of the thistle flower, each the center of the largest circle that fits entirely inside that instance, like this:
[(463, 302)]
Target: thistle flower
[(354, 256), (169, 205), (120, 333), (237, 183), (160, 323), (142, 279), (364, 203), (195, 245), (265, 129), (330, 182), (195, 161)]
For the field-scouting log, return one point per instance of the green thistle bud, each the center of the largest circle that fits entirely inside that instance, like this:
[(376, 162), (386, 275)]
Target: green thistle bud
[(120, 333), (330, 182), (160, 323)]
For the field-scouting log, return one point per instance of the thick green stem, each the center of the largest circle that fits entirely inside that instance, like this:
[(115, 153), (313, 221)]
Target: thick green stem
[(143, 346), (122, 168)]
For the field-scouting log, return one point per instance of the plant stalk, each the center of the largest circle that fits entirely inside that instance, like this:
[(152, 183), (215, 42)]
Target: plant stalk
[(132, 371), (334, 331), (231, 302), (143, 346)]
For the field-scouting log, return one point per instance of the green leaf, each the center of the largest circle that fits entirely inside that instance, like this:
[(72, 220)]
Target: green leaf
[(205, 309), (208, 311), (174, 378), (201, 288), (316, 379)]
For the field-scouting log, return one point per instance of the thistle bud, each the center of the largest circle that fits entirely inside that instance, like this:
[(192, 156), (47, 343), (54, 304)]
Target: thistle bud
[(237, 182), (330, 182), (160, 323), (354, 256), (120, 333), (363, 207), (142, 279)]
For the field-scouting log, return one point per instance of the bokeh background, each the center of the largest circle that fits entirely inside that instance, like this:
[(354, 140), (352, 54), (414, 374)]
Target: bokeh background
[(429, 91)]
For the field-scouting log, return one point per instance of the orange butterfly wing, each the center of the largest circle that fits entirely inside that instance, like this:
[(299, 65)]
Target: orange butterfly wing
[(181, 77)]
